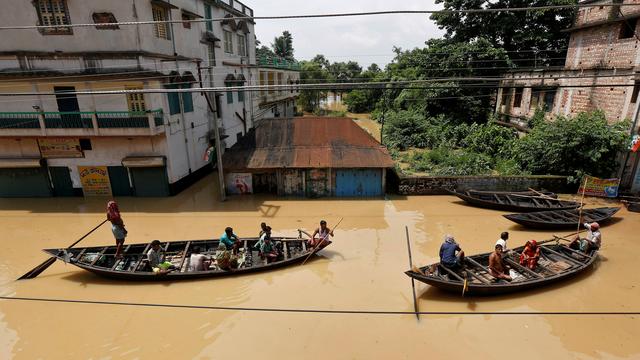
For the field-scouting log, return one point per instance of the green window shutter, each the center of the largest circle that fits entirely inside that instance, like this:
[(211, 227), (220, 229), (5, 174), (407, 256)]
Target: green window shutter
[(240, 96), (229, 97), (174, 101), (187, 102), (207, 16)]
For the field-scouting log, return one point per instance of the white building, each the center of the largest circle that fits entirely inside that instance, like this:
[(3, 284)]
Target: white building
[(127, 144)]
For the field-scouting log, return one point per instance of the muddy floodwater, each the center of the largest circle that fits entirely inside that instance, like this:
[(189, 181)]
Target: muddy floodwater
[(362, 270)]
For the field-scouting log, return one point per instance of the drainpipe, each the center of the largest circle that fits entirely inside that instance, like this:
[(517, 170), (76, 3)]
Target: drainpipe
[(180, 102)]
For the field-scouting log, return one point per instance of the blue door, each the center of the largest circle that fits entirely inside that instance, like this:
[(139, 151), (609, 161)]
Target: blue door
[(359, 183)]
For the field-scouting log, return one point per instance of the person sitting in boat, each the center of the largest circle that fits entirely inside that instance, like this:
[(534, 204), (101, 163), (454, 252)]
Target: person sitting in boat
[(530, 255), (117, 226), (264, 234), (155, 257), (497, 267), (593, 241), (263, 229), (225, 259), (503, 241), (323, 233), (451, 255), (198, 261), (268, 251), (230, 240)]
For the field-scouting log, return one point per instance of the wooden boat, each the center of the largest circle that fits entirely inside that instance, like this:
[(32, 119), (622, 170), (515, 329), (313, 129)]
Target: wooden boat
[(632, 206), (134, 267), (557, 263), (514, 202), (560, 219), (523, 193)]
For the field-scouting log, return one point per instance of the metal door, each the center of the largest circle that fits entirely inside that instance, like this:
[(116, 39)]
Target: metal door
[(292, 181), (24, 182), (61, 179), (150, 182), (359, 183), (67, 103), (119, 179)]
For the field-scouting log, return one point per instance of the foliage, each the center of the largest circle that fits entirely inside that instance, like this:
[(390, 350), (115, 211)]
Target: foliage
[(410, 129), (585, 144), (444, 161), (537, 118), (283, 45), (490, 139), (312, 73), (519, 33)]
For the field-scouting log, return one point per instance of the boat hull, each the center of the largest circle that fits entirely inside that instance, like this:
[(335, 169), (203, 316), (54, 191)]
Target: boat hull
[(562, 219), (506, 202)]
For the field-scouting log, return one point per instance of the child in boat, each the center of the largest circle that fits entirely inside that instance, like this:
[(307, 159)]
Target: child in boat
[(530, 255), (117, 226), (155, 256)]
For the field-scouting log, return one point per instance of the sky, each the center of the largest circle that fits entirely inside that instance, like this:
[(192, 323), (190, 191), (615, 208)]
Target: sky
[(365, 39)]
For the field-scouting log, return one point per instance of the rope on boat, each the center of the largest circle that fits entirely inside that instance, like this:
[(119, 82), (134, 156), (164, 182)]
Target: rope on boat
[(320, 311)]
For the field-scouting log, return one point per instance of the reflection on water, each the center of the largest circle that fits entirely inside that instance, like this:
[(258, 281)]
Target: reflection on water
[(362, 270)]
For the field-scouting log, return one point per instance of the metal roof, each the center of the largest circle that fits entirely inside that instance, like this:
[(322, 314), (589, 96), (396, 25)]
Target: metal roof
[(308, 142)]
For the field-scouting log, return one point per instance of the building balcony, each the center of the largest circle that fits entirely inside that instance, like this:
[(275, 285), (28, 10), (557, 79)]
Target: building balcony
[(236, 7), (276, 62), (99, 123)]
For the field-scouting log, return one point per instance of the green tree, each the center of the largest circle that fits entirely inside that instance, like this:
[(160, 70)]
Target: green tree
[(311, 73), (520, 33), (283, 45), (585, 144)]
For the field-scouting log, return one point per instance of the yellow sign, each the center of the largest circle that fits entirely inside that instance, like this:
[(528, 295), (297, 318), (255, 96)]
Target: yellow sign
[(60, 148), (95, 180)]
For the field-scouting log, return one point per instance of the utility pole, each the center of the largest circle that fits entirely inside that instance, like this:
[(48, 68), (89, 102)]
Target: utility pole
[(216, 134)]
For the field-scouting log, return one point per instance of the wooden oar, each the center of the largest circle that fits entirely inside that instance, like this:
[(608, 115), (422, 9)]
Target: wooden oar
[(413, 283), (541, 194), (322, 241), (584, 189), (42, 267)]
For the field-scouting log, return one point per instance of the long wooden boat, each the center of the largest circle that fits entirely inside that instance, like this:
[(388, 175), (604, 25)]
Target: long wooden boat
[(561, 219), (133, 266), (632, 206), (557, 263), (514, 202), (523, 193)]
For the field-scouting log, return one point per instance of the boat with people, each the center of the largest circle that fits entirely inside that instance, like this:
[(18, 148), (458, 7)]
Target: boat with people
[(556, 262), (133, 264), (561, 219), (514, 201)]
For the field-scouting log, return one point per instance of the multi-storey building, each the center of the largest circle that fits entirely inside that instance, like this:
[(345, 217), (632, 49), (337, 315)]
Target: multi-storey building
[(601, 72), (142, 144)]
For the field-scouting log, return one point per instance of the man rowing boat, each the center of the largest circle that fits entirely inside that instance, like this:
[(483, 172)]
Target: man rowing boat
[(323, 233)]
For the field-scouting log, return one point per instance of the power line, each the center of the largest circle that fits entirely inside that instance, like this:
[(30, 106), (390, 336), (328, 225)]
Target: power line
[(313, 16), (326, 311)]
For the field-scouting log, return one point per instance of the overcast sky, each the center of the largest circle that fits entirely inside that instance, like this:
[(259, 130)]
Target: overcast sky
[(366, 39)]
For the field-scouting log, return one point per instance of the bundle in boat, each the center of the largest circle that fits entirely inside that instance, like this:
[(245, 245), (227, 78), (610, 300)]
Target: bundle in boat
[(557, 263), (563, 219), (514, 202)]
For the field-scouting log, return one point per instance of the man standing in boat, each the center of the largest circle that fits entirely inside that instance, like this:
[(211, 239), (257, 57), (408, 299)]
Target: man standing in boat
[(448, 256), (117, 226), (323, 233)]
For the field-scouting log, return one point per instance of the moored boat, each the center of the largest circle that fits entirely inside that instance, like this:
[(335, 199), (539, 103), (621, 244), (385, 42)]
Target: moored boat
[(514, 202), (561, 219), (134, 267), (557, 263)]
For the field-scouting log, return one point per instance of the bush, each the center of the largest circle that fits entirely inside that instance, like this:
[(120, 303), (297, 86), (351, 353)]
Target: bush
[(585, 144), (446, 162), (490, 139)]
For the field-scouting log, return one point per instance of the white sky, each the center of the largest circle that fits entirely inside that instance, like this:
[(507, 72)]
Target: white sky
[(365, 39)]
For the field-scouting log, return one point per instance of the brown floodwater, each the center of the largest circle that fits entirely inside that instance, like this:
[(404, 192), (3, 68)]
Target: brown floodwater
[(362, 270)]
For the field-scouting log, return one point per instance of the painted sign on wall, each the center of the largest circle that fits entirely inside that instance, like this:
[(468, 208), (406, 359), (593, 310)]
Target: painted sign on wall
[(599, 187), (239, 184), (95, 180), (51, 148)]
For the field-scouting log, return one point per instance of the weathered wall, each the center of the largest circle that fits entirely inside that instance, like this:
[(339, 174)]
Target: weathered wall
[(435, 185)]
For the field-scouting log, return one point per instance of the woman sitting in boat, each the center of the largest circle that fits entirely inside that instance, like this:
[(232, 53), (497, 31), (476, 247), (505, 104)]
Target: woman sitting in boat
[(530, 255), (155, 257), (225, 259), (448, 256), (593, 241), (323, 233)]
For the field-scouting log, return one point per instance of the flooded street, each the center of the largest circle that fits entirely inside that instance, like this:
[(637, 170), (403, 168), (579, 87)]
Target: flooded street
[(362, 270)]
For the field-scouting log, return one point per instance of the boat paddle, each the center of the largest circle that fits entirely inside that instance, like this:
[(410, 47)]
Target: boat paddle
[(321, 241), (541, 194), (413, 283), (42, 267)]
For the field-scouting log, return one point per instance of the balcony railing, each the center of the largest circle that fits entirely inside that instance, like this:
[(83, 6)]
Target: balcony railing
[(278, 63), (82, 120)]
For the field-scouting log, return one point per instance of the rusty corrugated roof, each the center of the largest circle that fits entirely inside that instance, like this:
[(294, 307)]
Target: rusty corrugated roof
[(309, 142)]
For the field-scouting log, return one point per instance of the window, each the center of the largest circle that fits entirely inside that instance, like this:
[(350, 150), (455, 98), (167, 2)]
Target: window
[(271, 82), (135, 101), (263, 82), (228, 42), (211, 49), (242, 46), (186, 18), (506, 97), (160, 30), (549, 99), (535, 97), (54, 12), (636, 89), (628, 29), (174, 100), (207, 16), (240, 95), (517, 99), (187, 99), (281, 81), (229, 95)]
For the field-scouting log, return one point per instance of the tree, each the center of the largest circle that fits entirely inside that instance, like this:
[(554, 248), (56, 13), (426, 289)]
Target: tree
[(374, 68), (520, 33), (311, 73), (283, 45)]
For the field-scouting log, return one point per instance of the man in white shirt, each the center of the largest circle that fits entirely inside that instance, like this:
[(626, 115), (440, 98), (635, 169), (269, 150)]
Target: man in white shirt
[(197, 261), (503, 241), (593, 241)]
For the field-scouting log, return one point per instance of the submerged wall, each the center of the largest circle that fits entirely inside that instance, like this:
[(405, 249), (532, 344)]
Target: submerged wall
[(437, 185)]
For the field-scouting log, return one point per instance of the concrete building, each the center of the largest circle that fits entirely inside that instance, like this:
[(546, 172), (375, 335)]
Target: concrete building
[(149, 144), (601, 72), (306, 156)]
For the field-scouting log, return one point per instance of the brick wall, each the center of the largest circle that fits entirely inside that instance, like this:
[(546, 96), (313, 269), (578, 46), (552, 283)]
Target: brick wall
[(437, 185)]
